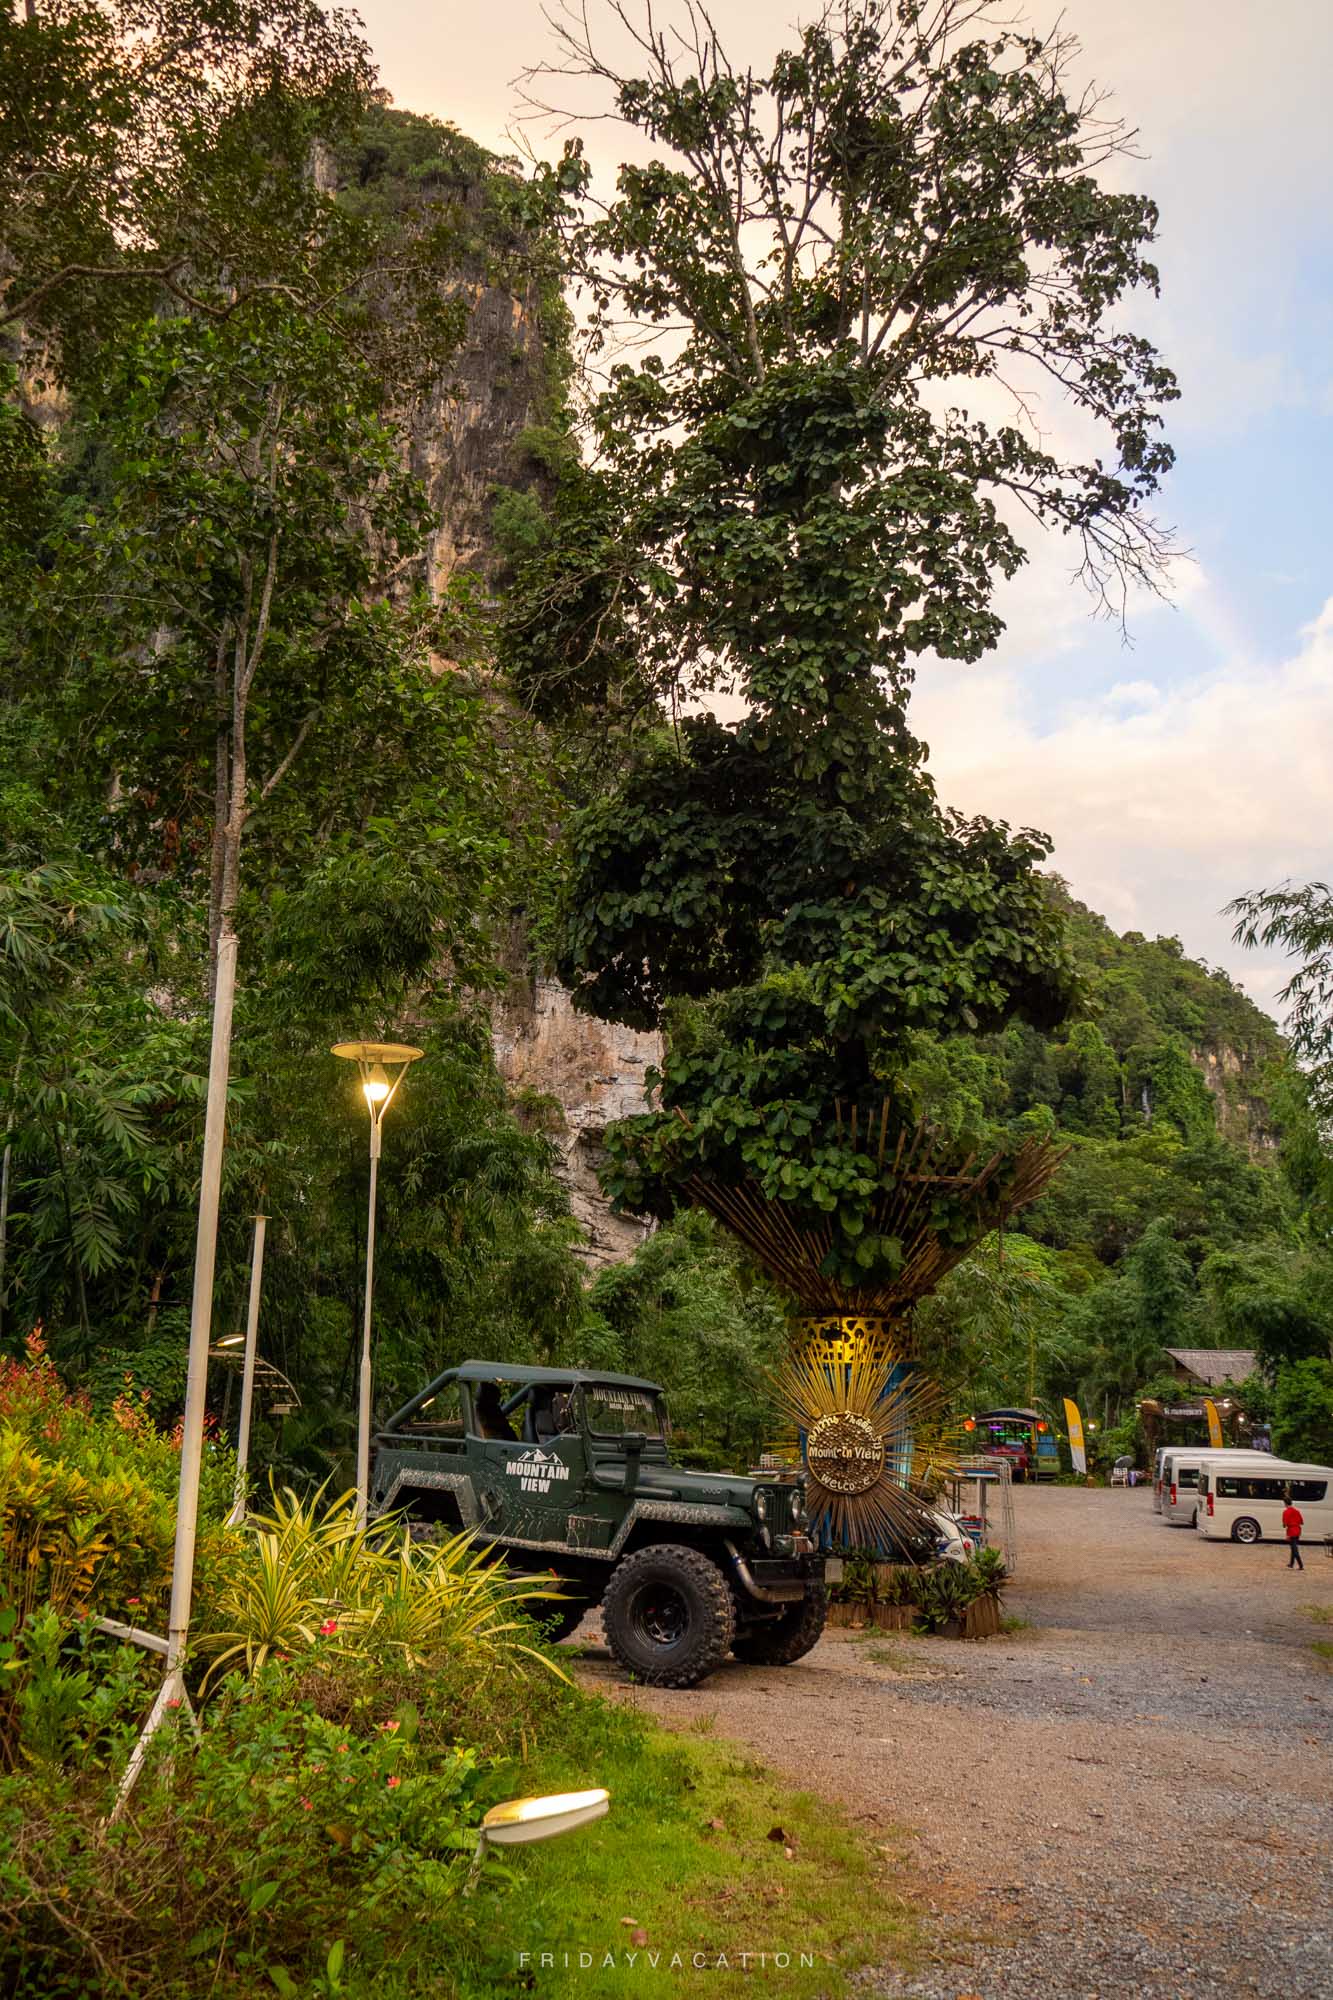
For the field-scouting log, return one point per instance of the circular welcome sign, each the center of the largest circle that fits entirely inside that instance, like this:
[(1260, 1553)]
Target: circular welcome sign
[(844, 1452)]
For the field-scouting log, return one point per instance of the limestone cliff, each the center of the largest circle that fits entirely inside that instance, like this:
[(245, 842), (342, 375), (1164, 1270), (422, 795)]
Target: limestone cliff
[(469, 442), (469, 445), (590, 1073)]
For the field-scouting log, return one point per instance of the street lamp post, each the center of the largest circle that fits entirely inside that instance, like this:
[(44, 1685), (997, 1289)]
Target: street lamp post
[(382, 1066)]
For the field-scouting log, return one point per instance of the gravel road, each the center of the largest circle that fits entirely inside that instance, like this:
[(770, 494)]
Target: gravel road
[(1131, 1797)]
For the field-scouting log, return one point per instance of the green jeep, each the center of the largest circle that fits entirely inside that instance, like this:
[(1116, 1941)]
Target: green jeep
[(568, 1470)]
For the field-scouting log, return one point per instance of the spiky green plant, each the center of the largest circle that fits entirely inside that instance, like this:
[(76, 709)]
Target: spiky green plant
[(314, 1578)]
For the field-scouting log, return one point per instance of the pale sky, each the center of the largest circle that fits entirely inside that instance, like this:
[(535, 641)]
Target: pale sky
[(1199, 762)]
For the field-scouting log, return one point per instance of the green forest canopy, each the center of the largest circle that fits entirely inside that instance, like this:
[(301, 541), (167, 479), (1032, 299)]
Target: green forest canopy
[(418, 817)]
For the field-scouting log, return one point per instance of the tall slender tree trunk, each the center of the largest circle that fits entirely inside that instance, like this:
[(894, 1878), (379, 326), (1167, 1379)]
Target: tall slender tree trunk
[(222, 725)]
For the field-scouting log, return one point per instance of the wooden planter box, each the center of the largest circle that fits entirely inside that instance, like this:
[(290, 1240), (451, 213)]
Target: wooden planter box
[(981, 1620), (883, 1617), (982, 1617)]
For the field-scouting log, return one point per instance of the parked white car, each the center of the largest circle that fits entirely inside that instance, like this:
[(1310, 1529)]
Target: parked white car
[(953, 1544)]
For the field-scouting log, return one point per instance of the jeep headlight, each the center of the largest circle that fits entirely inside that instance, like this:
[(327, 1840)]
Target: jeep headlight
[(799, 1517), (761, 1506)]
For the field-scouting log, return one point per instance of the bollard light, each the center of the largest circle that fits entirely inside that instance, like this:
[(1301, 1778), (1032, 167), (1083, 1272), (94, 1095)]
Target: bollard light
[(520, 1821)]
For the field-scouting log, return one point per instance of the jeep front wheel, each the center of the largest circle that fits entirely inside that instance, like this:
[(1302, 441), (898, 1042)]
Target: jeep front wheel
[(790, 1636), (668, 1616)]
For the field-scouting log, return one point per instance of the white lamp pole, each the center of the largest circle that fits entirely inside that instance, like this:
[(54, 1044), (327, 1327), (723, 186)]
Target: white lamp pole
[(382, 1066), (172, 1694)]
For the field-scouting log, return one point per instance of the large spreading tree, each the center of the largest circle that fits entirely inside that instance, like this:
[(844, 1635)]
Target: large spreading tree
[(828, 295)]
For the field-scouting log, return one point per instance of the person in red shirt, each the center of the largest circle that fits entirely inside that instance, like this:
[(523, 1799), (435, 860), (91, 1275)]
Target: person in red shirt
[(1292, 1522)]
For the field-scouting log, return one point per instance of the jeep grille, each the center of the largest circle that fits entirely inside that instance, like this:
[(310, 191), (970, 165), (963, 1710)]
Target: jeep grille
[(778, 1501)]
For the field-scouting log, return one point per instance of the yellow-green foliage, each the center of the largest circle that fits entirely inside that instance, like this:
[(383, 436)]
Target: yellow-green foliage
[(78, 1540), (312, 1578)]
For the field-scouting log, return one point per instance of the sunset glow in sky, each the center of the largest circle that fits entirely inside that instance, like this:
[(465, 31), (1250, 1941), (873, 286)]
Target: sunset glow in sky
[(1198, 762)]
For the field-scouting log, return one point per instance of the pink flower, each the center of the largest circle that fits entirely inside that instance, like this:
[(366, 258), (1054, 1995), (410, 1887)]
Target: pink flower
[(394, 1783), (174, 1701), (134, 1600), (328, 1628), (316, 1767), (342, 1749), (305, 1804), (388, 1727)]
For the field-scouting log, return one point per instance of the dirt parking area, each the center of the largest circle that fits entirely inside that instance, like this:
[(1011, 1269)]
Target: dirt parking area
[(1131, 1795)]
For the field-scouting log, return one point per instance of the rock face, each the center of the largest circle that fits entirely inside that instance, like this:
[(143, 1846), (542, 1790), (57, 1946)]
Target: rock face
[(569, 1074), (474, 442), (467, 440), (1242, 1117), (578, 1075)]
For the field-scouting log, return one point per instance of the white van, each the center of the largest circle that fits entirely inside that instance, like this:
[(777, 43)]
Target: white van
[(1239, 1504), (1180, 1473)]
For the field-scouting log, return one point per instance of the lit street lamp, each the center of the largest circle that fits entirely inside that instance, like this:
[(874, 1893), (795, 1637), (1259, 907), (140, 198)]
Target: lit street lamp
[(382, 1066)]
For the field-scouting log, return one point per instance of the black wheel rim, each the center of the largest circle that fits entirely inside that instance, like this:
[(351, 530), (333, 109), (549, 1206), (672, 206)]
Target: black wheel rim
[(659, 1615)]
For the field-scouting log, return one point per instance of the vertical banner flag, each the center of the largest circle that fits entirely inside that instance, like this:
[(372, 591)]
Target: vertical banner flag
[(1074, 1425), (1214, 1423)]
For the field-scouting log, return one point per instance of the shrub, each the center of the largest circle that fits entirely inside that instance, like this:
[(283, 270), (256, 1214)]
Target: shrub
[(1303, 1411), (309, 1579), (88, 1502), (280, 1835)]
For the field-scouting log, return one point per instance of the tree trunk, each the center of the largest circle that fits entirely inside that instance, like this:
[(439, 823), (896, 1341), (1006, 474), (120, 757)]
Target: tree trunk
[(222, 710)]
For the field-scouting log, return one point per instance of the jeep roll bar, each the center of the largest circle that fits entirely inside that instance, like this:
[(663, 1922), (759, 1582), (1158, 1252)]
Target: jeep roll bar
[(418, 1401)]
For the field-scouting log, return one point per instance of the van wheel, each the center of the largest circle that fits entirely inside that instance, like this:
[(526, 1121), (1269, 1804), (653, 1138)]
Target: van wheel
[(669, 1616), (1246, 1530)]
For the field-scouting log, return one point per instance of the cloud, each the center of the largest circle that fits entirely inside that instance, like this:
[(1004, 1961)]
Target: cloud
[(1163, 802)]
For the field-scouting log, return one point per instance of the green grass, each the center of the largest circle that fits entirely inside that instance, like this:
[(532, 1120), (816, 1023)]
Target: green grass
[(1322, 1614), (1014, 1622), (897, 1658), (688, 1854), (1323, 1648)]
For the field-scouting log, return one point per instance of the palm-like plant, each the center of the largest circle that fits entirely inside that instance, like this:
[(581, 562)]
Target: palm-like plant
[(315, 1578)]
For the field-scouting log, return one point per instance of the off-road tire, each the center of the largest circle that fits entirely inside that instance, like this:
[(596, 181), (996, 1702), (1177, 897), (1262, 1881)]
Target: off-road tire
[(1246, 1530), (669, 1616), (777, 1642)]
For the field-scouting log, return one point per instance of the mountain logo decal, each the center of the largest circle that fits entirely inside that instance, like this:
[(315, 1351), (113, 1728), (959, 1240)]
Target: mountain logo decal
[(536, 1469)]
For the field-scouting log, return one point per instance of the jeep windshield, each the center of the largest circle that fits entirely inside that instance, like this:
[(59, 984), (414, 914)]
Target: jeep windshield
[(610, 1411)]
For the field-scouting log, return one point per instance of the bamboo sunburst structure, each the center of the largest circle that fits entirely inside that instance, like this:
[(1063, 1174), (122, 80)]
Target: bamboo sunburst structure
[(868, 1441), (918, 1168)]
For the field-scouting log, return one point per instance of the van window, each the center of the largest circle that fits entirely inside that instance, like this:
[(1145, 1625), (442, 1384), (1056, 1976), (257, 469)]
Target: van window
[(1236, 1487), (1310, 1490), (1188, 1475)]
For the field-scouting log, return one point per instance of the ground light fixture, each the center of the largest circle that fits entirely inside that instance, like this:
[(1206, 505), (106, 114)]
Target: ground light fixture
[(382, 1066), (520, 1821)]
